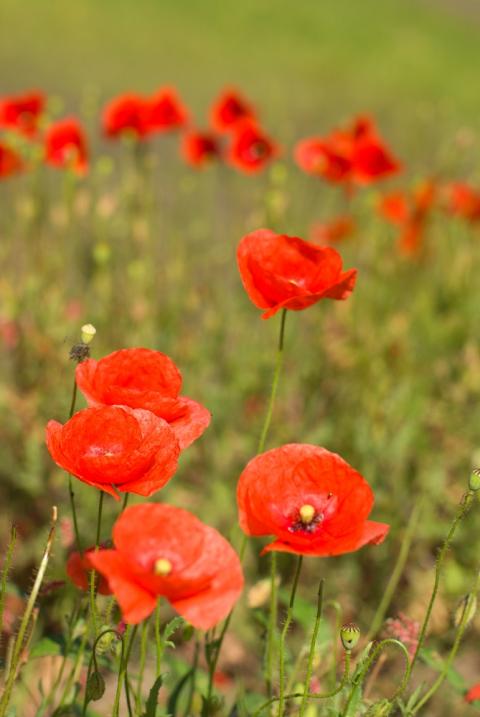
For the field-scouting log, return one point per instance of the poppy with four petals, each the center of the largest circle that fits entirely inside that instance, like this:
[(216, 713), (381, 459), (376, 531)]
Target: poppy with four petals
[(251, 150), (22, 112), (166, 112), (66, 145), (165, 551), (228, 109), (124, 115)]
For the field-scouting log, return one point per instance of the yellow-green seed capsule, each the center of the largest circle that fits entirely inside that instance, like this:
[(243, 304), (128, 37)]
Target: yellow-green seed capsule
[(349, 635), (88, 332), (474, 480)]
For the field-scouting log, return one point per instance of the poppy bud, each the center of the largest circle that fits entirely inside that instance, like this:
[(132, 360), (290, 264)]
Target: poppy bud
[(88, 333), (349, 635), (474, 480), (162, 567), (465, 610)]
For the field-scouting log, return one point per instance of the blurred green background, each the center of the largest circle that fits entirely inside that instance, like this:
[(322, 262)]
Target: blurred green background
[(389, 379)]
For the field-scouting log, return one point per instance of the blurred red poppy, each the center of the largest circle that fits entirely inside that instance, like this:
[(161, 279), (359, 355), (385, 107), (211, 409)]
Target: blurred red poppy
[(165, 551), (78, 569), (200, 148), (126, 114), (311, 500), (251, 149), (10, 161), (166, 112), (280, 271), (333, 231), (116, 448), (473, 693), (410, 211), (22, 112), (463, 201), (355, 155), (228, 109), (142, 378), (66, 145)]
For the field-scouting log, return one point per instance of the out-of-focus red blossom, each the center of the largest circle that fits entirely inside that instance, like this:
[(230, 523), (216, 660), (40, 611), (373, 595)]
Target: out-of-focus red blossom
[(78, 569), (405, 629), (283, 272), (311, 500), (161, 550), (463, 201), (142, 378), (9, 333), (200, 148), (126, 114), (352, 156), (10, 161), (166, 112), (333, 231), (66, 145), (228, 109), (116, 448), (22, 112), (250, 148), (410, 211), (473, 693)]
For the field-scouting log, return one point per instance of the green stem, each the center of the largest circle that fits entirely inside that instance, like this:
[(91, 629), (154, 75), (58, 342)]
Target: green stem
[(93, 574), (272, 625), (462, 511), (6, 570), (158, 640), (276, 377), (283, 637), (313, 644), (129, 638), (70, 481), (143, 659), (191, 693), (125, 501)]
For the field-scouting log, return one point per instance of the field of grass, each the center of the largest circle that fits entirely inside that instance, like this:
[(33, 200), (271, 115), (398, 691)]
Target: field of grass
[(389, 379)]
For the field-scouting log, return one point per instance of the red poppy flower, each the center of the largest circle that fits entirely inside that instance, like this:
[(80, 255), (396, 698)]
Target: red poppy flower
[(79, 568), (66, 145), (116, 448), (228, 109), (282, 272), (355, 155), (142, 378), (473, 693), (311, 500), (410, 211), (166, 111), (165, 551), (126, 114), (10, 161), (251, 149), (463, 201), (333, 231), (200, 148), (22, 112)]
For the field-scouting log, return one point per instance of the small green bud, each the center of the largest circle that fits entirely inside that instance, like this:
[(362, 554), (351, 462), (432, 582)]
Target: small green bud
[(465, 610), (349, 635), (95, 687), (88, 332), (474, 480)]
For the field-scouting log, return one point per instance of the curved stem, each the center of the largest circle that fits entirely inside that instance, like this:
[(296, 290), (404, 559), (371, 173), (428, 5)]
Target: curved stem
[(283, 636), (463, 509), (313, 643)]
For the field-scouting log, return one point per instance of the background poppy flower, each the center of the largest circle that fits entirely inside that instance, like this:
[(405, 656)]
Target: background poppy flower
[(333, 231), (66, 145), (10, 161), (228, 109), (165, 111), (78, 569), (22, 112), (251, 149), (116, 449), (200, 148), (142, 378), (126, 114), (311, 500), (473, 693), (279, 271), (165, 551), (410, 211), (463, 201)]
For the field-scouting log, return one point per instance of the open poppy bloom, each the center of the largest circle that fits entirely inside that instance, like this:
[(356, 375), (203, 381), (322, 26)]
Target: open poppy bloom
[(116, 449), (228, 109), (166, 112), (126, 114), (22, 112), (410, 211), (473, 693), (283, 272), (355, 155), (333, 231), (311, 500), (463, 201), (251, 150), (10, 161), (78, 569), (66, 145), (200, 148), (165, 551), (142, 378)]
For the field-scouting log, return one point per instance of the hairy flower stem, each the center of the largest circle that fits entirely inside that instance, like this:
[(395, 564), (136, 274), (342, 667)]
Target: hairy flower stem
[(283, 637), (462, 511), (70, 481), (313, 644), (127, 641), (276, 378), (158, 640), (93, 574), (143, 658), (22, 631), (6, 570)]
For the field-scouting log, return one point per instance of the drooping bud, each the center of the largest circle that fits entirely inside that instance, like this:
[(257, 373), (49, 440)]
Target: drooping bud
[(349, 635), (474, 480), (88, 333), (307, 513), (162, 567), (465, 610)]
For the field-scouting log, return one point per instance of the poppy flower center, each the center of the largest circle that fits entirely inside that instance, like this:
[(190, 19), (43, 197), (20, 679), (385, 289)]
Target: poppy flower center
[(162, 567), (307, 513), (258, 150)]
